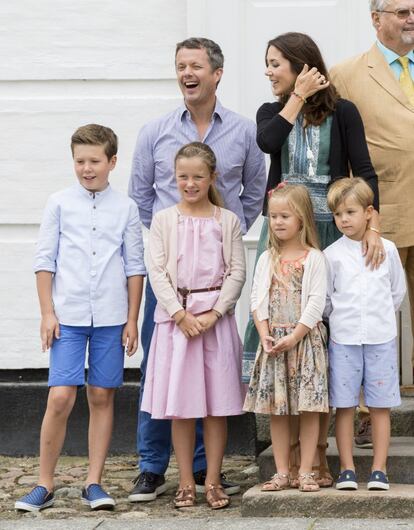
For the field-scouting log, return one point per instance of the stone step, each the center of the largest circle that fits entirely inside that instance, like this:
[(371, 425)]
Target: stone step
[(398, 502), (22, 405), (402, 422), (400, 464)]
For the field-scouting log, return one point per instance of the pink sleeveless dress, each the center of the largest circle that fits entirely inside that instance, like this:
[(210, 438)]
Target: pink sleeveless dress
[(201, 376)]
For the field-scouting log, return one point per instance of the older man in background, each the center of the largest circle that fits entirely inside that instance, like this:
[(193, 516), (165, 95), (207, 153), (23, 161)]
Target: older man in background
[(380, 83)]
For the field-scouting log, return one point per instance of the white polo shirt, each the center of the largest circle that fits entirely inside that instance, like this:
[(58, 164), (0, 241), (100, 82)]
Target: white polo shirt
[(361, 303)]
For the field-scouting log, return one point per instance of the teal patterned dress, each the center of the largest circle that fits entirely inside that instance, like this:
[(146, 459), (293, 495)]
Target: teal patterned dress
[(305, 155)]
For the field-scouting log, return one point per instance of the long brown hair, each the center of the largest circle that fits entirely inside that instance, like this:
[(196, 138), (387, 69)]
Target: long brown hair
[(299, 49), (299, 201), (206, 154)]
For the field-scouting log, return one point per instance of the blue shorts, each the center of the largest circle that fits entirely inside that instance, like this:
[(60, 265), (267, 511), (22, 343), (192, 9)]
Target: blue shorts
[(105, 356), (374, 366)]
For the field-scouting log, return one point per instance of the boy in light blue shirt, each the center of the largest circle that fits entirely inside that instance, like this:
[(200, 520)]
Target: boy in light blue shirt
[(89, 268)]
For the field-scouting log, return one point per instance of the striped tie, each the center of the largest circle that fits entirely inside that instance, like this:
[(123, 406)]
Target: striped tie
[(405, 80)]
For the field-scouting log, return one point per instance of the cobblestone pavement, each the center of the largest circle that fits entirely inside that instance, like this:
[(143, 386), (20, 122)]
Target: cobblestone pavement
[(19, 475)]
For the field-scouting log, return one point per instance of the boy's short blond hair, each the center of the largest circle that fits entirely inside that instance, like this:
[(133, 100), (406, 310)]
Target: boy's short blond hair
[(354, 187), (93, 134)]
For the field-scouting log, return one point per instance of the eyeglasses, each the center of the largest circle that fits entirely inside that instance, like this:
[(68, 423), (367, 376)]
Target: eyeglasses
[(402, 14)]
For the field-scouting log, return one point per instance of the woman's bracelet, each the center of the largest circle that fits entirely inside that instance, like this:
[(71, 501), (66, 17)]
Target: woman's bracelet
[(181, 319), (374, 229), (298, 96)]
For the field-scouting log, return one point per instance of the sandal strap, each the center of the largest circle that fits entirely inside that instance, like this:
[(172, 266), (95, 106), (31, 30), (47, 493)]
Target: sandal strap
[(185, 494), (215, 493)]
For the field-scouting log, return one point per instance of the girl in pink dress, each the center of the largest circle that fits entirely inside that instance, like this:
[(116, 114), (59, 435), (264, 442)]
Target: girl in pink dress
[(197, 270)]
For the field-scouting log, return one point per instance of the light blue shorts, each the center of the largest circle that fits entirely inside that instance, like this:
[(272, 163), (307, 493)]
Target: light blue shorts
[(374, 366), (105, 356)]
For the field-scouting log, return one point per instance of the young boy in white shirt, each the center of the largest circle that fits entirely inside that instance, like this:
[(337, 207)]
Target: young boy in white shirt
[(361, 306), (89, 268)]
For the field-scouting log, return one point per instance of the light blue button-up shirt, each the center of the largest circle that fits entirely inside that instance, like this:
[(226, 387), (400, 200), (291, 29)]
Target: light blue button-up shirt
[(91, 242), (392, 59), (241, 168)]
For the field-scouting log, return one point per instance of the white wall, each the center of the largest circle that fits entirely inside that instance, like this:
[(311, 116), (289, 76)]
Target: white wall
[(65, 64)]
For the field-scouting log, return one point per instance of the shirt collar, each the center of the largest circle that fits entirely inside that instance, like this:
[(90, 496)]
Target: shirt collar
[(351, 243), (219, 110), (90, 194), (391, 56)]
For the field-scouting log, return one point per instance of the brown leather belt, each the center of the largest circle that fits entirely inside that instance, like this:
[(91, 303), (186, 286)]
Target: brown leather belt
[(186, 292)]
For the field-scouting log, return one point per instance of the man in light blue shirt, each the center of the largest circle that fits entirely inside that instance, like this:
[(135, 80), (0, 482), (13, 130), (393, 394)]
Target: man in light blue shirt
[(241, 181), (89, 268)]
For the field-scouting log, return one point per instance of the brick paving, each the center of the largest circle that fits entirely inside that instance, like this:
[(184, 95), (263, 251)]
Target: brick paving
[(18, 475)]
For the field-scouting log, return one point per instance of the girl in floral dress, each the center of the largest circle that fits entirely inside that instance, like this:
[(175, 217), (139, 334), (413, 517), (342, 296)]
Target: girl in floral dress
[(288, 297)]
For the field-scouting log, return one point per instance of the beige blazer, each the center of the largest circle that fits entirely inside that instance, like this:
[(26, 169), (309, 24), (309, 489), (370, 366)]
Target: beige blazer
[(162, 260), (368, 81)]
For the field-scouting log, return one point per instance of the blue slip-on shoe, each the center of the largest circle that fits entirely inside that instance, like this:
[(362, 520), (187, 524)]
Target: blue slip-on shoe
[(38, 499), (95, 497), (378, 481), (347, 480)]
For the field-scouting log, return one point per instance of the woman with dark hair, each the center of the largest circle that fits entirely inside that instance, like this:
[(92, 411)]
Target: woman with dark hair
[(314, 138)]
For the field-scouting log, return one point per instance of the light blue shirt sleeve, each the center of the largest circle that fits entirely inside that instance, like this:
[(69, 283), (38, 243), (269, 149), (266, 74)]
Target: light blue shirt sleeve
[(254, 179), (133, 246), (141, 182), (48, 240)]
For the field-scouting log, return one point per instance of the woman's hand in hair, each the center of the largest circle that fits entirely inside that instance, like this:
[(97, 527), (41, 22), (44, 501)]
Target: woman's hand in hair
[(310, 81)]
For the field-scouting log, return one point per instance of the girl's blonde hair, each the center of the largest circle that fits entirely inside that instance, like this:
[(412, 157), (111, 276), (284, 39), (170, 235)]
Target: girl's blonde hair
[(206, 154), (300, 203)]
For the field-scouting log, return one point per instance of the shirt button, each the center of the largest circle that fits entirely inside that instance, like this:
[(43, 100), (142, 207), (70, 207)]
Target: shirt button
[(94, 207), (93, 228), (93, 273), (94, 253)]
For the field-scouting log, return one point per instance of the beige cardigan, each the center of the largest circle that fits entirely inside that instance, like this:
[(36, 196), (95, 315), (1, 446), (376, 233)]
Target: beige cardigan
[(162, 260), (314, 284)]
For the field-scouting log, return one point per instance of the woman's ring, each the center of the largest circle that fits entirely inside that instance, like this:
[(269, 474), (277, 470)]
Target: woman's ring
[(381, 253)]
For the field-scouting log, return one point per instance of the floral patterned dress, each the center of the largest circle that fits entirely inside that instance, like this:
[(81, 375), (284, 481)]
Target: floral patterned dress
[(294, 381)]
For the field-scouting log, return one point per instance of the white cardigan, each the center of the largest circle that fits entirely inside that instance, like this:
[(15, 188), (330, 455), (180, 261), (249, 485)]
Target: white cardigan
[(314, 285)]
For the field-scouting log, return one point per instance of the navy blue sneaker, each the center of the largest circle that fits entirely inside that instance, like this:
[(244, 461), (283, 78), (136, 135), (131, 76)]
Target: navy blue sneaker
[(378, 481), (95, 497), (38, 499), (347, 480)]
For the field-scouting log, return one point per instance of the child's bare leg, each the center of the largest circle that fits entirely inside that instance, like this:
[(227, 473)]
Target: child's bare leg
[(101, 414), (183, 437), (294, 456), (344, 431), (280, 435), (52, 435), (308, 435), (381, 432), (215, 439), (320, 462)]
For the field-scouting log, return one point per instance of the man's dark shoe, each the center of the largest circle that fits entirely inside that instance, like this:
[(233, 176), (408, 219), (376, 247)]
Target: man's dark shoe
[(147, 487), (363, 439), (230, 488)]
